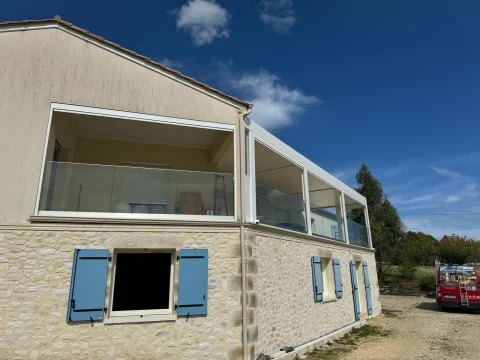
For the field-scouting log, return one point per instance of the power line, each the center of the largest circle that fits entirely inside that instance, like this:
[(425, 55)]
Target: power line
[(446, 214)]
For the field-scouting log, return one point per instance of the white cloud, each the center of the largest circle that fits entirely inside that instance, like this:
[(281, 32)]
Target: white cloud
[(447, 173), (452, 199), (275, 105), (469, 191), (347, 174), (278, 14), (173, 64), (203, 20), (401, 200)]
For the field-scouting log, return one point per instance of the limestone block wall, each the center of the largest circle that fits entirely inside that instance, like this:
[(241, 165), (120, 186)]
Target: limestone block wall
[(35, 270), (280, 302)]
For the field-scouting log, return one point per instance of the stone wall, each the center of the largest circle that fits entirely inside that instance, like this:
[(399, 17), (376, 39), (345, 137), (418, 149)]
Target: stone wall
[(35, 270), (281, 309)]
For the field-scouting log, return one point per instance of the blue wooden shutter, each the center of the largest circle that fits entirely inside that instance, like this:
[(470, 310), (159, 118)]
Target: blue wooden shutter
[(368, 290), (356, 303), (193, 282), (337, 273), (88, 284), (317, 278)]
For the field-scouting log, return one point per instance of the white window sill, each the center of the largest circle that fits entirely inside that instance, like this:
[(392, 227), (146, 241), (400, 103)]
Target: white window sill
[(73, 216), (139, 319), (329, 299)]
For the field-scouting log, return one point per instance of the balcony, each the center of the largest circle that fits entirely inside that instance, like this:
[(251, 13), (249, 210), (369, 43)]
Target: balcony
[(136, 192), (123, 166)]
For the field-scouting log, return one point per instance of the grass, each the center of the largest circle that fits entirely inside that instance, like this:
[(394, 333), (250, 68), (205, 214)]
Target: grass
[(347, 343), (393, 271), (390, 313)]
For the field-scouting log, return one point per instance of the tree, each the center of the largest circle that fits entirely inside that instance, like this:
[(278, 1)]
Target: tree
[(419, 248), (385, 223), (460, 251)]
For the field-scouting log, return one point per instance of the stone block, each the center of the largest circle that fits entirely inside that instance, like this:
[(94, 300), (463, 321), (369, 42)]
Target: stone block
[(235, 353), (325, 253), (252, 266), (252, 300), (252, 334), (249, 282), (248, 251), (250, 317), (235, 283), (235, 251), (236, 318)]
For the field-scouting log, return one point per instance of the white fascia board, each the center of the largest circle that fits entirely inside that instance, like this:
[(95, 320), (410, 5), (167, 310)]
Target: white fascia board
[(122, 53), (126, 115), (24, 27), (286, 151)]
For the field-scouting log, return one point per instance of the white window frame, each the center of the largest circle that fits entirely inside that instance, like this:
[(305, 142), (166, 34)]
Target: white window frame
[(328, 278), (140, 314), (124, 115), (259, 134)]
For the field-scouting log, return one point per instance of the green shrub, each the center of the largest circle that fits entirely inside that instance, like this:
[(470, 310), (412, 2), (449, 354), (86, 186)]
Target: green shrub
[(427, 282), (407, 271)]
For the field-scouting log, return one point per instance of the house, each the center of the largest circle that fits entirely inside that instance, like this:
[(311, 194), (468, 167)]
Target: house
[(144, 215), (451, 239)]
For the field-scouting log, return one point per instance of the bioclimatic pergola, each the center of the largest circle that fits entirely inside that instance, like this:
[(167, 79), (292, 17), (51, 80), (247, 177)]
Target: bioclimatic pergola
[(285, 189)]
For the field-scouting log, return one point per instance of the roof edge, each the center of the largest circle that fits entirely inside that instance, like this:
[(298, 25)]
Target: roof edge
[(24, 25)]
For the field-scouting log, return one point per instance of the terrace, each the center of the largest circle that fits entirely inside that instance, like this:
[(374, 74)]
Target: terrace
[(110, 167)]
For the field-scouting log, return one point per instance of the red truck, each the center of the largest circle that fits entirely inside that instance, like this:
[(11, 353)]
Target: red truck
[(457, 287)]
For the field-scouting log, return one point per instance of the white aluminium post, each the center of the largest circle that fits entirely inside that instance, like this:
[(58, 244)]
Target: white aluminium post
[(306, 199), (252, 183), (367, 222), (344, 217)]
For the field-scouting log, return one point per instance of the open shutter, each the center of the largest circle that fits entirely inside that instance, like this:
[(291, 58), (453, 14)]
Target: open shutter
[(356, 303), (368, 290), (338, 278), (317, 278), (193, 282), (86, 301)]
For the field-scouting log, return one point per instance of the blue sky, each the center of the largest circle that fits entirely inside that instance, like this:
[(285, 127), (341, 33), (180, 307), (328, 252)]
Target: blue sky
[(395, 84)]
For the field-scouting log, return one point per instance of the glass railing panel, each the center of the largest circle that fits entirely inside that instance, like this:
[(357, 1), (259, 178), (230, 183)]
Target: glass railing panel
[(357, 234), (356, 220), (326, 222), (137, 190), (279, 209), (77, 187)]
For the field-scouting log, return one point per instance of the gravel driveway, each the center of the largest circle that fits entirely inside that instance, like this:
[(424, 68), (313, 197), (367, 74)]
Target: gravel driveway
[(419, 331)]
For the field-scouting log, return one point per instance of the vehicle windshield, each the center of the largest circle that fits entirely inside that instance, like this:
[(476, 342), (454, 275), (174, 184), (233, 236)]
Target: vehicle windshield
[(456, 275)]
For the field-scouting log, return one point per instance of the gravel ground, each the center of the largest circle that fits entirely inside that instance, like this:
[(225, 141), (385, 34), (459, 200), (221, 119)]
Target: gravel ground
[(417, 330)]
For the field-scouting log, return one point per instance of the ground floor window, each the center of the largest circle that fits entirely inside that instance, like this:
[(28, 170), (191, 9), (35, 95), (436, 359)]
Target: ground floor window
[(142, 283), (328, 280)]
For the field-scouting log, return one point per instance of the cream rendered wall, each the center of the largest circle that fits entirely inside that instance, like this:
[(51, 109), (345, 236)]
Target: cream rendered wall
[(280, 291), (35, 270), (38, 67)]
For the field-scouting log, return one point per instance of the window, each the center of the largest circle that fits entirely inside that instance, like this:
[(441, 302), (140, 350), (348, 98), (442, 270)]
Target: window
[(328, 280), (142, 283)]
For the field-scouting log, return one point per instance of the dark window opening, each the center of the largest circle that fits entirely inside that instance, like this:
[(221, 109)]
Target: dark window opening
[(142, 281)]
